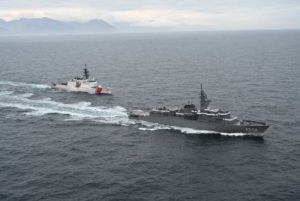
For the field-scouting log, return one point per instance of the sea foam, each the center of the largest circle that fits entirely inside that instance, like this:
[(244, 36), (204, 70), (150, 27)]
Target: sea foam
[(22, 84), (80, 110), (147, 126)]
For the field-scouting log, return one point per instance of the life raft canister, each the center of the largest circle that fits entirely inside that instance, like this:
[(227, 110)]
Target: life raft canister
[(98, 90)]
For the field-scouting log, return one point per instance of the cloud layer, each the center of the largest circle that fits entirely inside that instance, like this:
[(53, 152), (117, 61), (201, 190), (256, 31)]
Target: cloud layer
[(167, 14)]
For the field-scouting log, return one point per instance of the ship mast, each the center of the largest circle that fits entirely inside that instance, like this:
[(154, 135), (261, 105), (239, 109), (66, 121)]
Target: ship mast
[(200, 97), (86, 72), (204, 102)]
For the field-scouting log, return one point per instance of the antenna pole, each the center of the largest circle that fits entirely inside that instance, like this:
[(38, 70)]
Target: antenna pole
[(85, 72), (200, 97)]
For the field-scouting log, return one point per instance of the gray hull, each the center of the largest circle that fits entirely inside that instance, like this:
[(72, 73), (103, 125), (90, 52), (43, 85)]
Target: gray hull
[(217, 126)]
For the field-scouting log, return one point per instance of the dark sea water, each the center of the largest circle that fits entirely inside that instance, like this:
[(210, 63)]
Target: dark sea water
[(75, 146)]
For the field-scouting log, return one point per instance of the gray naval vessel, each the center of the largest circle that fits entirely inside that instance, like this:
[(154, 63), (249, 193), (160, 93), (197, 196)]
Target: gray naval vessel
[(204, 119)]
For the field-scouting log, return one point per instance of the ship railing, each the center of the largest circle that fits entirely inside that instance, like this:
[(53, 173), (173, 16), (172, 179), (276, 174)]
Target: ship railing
[(179, 114), (253, 122), (215, 114), (160, 111), (211, 110), (231, 119)]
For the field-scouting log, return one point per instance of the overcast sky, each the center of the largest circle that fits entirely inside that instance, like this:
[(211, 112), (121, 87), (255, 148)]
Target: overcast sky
[(164, 14)]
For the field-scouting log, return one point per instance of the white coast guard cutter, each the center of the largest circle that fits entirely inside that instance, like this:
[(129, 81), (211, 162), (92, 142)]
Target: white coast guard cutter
[(82, 84)]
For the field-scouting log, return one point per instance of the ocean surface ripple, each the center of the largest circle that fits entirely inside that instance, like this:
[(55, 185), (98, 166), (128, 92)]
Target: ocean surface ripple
[(76, 146)]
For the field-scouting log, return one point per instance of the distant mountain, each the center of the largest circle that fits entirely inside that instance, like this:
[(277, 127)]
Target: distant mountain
[(51, 26)]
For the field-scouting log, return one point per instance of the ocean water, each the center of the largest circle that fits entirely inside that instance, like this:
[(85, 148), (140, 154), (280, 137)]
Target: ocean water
[(75, 146)]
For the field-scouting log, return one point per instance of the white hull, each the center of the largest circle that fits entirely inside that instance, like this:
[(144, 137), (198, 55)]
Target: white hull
[(81, 89)]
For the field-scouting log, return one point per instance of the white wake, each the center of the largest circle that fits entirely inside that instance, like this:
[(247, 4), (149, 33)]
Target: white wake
[(85, 110), (22, 84), (147, 126), (77, 111)]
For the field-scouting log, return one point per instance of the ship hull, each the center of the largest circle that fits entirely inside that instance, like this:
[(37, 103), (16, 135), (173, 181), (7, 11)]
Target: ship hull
[(217, 126), (81, 89)]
